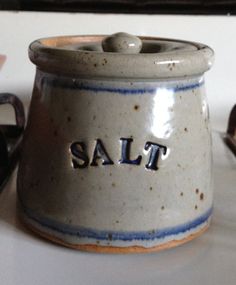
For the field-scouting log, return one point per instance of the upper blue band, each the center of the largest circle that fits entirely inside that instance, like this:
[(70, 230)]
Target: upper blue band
[(126, 91), (62, 83)]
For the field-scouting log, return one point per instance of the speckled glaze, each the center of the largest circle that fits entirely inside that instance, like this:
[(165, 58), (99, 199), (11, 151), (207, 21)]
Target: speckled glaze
[(117, 164)]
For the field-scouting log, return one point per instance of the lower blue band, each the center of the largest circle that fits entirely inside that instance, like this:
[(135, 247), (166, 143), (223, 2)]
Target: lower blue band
[(117, 235)]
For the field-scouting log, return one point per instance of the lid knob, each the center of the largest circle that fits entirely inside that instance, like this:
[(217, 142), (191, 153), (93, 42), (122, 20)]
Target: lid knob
[(122, 43)]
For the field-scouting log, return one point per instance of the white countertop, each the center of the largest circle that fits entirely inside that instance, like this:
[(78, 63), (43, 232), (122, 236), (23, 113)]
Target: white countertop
[(210, 259)]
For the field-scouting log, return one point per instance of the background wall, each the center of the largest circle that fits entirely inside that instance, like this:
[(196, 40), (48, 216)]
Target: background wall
[(18, 29)]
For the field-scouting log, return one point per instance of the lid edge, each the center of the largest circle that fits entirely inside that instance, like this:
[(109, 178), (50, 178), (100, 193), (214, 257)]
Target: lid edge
[(97, 64)]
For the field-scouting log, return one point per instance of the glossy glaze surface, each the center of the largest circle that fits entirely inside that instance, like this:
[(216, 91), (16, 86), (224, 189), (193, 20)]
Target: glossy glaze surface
[(83, 56), (115, 199)]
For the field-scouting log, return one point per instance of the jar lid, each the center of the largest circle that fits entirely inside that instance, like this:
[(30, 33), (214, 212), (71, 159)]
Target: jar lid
[(120, 56)]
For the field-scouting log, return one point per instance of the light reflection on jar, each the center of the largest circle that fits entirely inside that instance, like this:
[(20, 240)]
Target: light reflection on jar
[(162, 113)]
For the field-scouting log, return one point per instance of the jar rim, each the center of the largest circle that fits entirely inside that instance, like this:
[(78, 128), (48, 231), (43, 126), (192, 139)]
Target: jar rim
[(57, 55)]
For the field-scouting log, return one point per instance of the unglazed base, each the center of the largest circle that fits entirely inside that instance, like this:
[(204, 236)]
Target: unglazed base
[(114, 249)]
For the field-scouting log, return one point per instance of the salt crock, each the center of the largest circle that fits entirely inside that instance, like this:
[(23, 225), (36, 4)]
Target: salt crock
[(117, 150)]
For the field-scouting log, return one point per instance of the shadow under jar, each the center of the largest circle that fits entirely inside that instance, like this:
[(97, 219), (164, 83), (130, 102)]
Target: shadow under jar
[(117, 149)]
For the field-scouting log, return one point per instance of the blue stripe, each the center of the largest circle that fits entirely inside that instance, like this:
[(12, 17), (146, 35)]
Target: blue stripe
[(125, 91), (78, 85), (117, 235)]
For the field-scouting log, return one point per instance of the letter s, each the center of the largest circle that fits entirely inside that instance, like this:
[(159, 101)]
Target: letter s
[(78, 151)]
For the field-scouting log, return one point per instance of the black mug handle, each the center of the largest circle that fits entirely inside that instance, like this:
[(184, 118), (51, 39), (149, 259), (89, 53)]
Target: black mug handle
[(230, 138), (10, 138)]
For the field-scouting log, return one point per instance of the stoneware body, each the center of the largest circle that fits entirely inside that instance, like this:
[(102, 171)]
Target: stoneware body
[(119, 162)]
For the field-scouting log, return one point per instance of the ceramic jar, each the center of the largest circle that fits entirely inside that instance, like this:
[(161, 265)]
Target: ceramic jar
[(117, 149)]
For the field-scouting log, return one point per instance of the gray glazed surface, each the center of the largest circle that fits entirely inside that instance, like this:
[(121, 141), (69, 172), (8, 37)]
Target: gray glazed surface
[(119, 204), (161, 58)]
